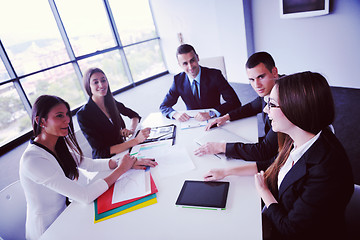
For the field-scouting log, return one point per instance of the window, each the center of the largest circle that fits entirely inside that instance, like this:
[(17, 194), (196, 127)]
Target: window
[(86, 25), (46, 46), (133, 20), (14, 120), (30, 36)]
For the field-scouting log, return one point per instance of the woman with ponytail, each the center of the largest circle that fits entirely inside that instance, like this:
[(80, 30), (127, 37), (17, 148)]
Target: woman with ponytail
[(307, 187), (49, 166)]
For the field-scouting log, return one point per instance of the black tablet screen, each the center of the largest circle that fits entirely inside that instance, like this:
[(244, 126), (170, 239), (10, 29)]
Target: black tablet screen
[(203, 194)]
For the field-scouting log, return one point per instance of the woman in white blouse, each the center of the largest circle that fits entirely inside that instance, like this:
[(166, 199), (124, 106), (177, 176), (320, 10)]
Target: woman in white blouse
[(307, 187), (49, 166)]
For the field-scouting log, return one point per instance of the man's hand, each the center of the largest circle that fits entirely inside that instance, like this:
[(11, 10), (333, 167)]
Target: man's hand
[(210, 148), (181, 117), (202, 116), (219, 121)]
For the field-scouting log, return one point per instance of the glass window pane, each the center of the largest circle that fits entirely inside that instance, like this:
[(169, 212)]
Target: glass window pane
[(133, 20), (30, 36), (145, 60), (3, 73), (14, 120), (112, 66), (86, 24), (60, 81)]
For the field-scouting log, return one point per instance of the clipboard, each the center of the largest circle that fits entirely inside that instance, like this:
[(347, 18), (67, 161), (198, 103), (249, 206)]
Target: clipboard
[(159, 133)]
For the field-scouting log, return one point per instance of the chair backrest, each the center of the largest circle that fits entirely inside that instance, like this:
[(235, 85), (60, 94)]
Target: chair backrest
[(214, 62), (12, 212), (352, 214)]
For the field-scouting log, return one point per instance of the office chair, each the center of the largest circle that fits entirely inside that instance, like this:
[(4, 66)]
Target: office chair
[(352, 214), (214, 62), (12, 212)]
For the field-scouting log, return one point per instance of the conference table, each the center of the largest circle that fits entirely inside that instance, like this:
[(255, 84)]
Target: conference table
[(165, 220)]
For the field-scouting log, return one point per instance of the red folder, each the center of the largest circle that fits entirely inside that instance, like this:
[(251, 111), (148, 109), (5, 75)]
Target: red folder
[(104, 202)]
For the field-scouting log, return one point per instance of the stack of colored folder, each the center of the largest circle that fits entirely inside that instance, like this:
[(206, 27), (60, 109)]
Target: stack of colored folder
[(105, 209)]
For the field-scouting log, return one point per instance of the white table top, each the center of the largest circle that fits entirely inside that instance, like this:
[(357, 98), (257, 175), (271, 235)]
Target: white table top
[(164, 220)]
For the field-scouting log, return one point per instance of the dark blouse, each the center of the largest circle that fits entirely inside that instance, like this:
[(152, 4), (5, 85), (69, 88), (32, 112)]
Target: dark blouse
[(99, 131)]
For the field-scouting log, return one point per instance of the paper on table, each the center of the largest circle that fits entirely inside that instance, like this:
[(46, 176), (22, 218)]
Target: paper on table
[(219, 134), (192, 123), (171, 161), (150, 147), (132, 184)]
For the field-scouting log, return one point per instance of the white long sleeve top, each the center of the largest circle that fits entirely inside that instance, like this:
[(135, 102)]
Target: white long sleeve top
[(46, 187)]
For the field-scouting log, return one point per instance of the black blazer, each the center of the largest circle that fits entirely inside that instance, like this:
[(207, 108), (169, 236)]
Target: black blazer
[(212, 86), (267, 148), (314, 194), (98, 130)]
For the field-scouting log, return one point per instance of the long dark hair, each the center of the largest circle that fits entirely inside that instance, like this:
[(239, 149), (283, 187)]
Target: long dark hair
[(306, 100), (40, 110), (108, 99)]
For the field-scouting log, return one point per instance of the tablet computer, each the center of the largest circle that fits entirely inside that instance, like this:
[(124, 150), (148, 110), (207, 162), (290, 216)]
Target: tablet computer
[(204, 195)]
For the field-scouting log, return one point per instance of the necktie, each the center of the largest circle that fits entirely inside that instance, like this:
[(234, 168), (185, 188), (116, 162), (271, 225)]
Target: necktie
[(196, 91)]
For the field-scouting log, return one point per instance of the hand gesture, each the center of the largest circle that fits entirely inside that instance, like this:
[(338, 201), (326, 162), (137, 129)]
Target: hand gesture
[(142, 163), (218, 121), (126, 132), (260, 183), (215, 174), (181, 117), (143, 135), (210, 148), (127, 162), (202, 116)]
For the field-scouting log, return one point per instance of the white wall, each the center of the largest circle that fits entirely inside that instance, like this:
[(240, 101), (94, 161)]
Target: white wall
[(213, 27), (328, 44)]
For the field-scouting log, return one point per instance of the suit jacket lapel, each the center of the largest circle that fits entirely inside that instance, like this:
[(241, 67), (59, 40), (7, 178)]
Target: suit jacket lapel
[(295, 173)]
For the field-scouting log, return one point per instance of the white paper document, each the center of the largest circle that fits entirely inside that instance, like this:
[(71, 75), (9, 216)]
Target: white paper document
[(219, 134), (173, 161), (192, 123), (132, 184)]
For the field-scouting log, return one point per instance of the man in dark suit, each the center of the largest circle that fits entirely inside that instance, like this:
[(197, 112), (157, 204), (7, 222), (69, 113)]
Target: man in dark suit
[(262, 73), (199, 87)]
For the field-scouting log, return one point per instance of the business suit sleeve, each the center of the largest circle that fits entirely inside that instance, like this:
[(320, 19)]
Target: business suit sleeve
[(262, 151), (127, 111), (250, 109), (228, 94), (170, 100), (314, 194)]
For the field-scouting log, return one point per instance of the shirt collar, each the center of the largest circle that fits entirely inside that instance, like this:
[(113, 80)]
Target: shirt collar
[(296, 153), (197, 78)]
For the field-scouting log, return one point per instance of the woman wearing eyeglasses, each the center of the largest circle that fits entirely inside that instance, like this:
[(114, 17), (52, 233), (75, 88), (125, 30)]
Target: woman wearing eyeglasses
[(307, 187)]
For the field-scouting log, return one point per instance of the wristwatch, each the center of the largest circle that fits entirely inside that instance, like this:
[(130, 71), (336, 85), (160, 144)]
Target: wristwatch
[(212, 114)]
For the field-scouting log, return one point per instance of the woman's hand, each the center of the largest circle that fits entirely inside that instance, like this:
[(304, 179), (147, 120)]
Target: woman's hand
[(143, 135), (142, 163), (215, 174), (263, 189), (127, 162), (210, 148), (126, 132), (112, 164)]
